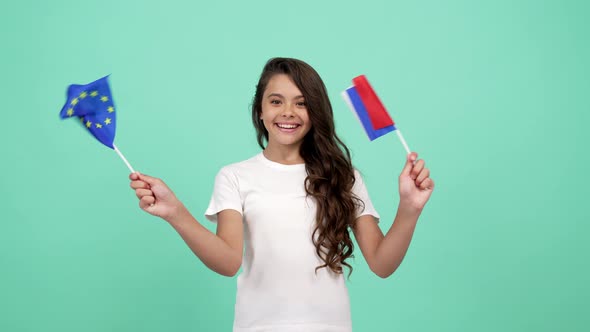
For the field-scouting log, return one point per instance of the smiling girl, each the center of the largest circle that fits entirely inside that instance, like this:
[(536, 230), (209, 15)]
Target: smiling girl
[(285, 216)]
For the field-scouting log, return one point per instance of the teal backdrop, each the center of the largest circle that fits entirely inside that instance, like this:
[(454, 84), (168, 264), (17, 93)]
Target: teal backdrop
[(492, 94)]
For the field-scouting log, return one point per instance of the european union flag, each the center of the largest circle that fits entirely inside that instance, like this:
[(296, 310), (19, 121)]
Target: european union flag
[(93, 105)]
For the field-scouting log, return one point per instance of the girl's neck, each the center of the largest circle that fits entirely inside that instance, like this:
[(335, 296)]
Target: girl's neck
[(287, 155)]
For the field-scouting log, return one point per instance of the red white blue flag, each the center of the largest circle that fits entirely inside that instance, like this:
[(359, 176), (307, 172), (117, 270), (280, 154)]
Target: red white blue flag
[(365, 104)]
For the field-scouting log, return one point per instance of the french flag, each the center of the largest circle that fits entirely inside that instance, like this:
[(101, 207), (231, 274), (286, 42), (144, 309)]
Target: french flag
[(366, 105)]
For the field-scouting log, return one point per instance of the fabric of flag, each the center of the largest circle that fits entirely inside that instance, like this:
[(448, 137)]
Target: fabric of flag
[(93, 104), (363, 101), (377, 112)]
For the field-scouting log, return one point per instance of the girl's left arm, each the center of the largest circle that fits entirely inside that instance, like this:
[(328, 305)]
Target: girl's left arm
[(384, 253)]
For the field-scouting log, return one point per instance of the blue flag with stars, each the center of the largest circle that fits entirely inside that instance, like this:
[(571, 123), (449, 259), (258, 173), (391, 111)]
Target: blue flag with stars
[(93, 105)]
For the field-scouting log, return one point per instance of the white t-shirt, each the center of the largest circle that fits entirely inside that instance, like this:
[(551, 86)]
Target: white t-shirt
[(278, 289)]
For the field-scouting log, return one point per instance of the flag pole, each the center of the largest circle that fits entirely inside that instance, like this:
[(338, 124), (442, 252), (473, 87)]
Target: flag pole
[(123, 157), (401, 138)]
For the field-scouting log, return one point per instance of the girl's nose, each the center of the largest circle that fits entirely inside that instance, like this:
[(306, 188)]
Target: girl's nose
[(288, 110)]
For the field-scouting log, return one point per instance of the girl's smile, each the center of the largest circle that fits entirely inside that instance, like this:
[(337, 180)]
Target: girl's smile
[(288, 127)]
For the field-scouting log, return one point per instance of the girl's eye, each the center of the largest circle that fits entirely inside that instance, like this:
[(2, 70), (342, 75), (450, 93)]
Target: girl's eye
[(301, 104), (275, 101)]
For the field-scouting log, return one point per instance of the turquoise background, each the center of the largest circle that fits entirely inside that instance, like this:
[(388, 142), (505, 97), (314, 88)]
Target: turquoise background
[(492, 94)]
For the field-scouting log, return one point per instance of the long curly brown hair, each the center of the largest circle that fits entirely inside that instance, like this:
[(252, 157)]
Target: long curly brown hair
[(330, 175)]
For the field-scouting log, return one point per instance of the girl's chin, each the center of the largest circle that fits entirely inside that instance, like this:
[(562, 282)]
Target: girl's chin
[(287, 141)]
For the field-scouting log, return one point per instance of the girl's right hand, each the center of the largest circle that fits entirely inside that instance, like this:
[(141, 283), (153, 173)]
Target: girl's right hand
[(154, 196)]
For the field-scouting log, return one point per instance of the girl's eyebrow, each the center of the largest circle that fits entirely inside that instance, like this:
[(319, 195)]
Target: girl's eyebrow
[(281, 96)]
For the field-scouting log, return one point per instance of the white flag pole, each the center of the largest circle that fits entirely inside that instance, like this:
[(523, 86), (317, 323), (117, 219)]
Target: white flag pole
[(123, 157), (401, 138)]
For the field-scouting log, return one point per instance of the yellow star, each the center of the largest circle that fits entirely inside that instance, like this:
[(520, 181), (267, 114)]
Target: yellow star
[(93, 93), (107, 121), (83, 94), (70, 112), (74, 101), (98, 125), (88, 124), (104, 99), (110, 109)]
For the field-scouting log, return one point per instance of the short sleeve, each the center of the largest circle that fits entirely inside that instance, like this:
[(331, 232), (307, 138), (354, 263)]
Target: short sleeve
[(360, 190), (226, 194)]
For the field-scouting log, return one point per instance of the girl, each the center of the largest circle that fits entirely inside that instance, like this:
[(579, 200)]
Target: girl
[(284, 215)]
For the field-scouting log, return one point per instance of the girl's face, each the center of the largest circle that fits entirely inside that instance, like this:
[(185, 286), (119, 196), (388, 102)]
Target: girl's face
[(284, 112)]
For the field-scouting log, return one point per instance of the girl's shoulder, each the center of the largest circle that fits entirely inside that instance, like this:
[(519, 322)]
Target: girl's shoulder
[(255, 159), (252, 163)]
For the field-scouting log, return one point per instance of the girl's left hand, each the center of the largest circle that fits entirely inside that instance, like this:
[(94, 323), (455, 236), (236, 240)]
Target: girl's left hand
[(415, 184)]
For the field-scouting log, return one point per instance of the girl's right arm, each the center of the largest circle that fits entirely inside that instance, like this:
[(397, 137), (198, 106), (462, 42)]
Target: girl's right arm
[(221, 252)]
